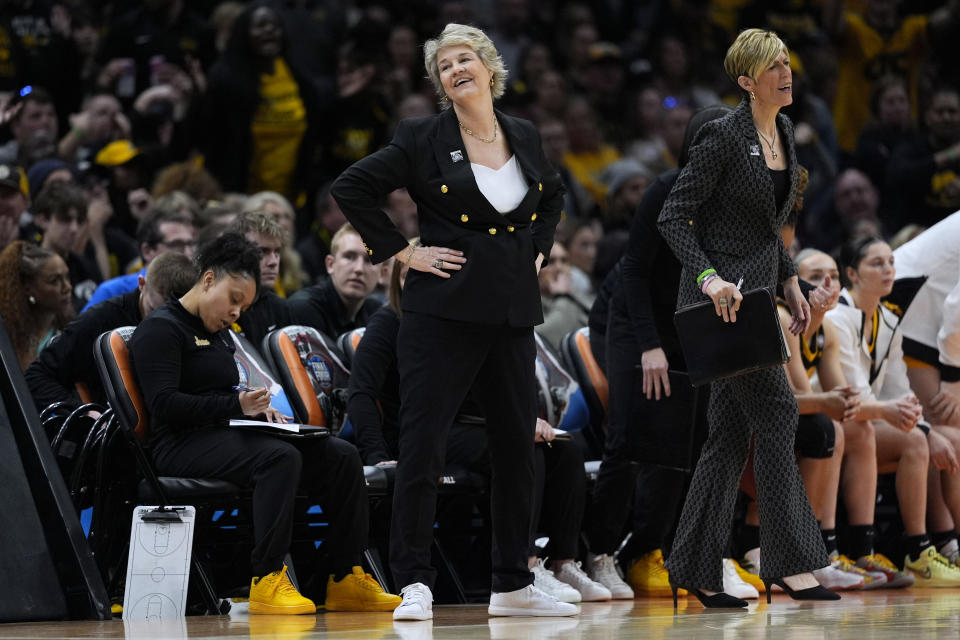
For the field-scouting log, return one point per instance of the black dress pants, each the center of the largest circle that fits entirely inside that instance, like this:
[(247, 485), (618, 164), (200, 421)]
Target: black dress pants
[(328, 468), (440, 361), (558, 497)]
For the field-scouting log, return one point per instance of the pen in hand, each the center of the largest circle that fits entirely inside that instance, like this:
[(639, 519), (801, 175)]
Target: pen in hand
[(242, 388), (739, 284)]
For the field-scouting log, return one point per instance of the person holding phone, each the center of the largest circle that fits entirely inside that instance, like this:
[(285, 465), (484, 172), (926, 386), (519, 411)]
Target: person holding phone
[(722, 219), (182, 356)]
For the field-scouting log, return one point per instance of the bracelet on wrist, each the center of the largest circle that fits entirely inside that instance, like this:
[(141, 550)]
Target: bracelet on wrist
[(409, 256), (707, 281), (706, 273)]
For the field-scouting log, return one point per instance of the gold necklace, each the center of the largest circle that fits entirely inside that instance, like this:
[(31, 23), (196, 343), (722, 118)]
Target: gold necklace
[(479, 137), (773, 152)]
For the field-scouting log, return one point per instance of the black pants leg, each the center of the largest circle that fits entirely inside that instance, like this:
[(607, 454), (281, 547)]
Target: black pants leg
[(268, 465), (562, 493), (506, 384), (657, 502), (333, 471), (439, 361), (613, 491)]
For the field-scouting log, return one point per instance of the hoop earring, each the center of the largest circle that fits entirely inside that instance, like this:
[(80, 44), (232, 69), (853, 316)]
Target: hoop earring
[(32, 300), (491, 83), (753, 96), (444, 99)]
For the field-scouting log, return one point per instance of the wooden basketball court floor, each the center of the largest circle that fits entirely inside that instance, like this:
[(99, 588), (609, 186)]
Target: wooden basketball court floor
[(910, 614)]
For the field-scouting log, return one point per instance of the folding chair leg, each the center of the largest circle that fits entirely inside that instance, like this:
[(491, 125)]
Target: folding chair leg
[(215, 606), (447, 568), (372, 558), (288, 560)]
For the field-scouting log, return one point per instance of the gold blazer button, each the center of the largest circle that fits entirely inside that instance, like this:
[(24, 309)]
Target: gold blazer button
[(510, 229), (443, 188), (492, 231), (533, 217), (464, 218)]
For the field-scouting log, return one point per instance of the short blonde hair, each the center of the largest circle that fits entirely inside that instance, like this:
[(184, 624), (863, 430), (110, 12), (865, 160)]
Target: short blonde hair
[(460, 34), (344, 230), (753, 51)]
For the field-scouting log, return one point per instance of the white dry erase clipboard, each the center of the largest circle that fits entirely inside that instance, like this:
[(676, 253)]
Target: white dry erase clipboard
[(158, 567)]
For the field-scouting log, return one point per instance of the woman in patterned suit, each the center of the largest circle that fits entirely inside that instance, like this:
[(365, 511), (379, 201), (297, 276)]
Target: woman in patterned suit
[(722, 220)]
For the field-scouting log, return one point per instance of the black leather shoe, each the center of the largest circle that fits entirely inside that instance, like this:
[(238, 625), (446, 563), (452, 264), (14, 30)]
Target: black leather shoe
[(716, 601), (818, 592)]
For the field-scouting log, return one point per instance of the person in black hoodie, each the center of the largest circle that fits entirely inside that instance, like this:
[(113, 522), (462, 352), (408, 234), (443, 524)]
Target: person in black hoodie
[(641, 348)]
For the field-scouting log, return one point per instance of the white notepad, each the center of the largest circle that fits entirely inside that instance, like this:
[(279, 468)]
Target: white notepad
[(292, 427)]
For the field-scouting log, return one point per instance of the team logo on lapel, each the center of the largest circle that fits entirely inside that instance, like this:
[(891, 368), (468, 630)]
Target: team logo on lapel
[(456, 156), (754, 150)]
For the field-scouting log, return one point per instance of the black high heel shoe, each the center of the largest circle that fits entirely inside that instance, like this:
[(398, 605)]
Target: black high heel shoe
[(818, 592), (719, 600)]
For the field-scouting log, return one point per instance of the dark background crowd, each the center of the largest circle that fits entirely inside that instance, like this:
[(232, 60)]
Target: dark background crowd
[(200, 110)]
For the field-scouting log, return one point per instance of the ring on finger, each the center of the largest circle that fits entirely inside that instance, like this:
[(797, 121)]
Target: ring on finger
[(438, 264), (723, 302)]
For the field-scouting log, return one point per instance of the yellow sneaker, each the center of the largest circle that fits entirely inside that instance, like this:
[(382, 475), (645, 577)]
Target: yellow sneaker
[(274, 593), (649, 577), (933, 570), (750, 578), (359, 592)]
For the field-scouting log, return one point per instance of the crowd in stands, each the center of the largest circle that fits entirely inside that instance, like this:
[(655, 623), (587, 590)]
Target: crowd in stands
[(135, 130)]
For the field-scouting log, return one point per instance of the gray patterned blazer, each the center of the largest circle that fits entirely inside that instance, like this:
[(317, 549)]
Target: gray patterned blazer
[(721, 212)]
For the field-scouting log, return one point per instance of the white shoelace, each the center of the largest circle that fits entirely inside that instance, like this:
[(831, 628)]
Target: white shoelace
[(577, 573), (605, 572), (415, 593), (547, 578)]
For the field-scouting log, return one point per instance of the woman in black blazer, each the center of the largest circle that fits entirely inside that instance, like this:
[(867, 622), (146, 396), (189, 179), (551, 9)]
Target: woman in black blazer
[(488, 203), (722, 220)]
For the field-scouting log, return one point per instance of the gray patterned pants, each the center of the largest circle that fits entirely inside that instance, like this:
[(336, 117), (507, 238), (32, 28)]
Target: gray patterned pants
[(761, 406)]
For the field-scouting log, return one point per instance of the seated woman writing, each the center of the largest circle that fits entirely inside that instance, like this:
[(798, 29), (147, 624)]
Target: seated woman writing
[(183, 360)]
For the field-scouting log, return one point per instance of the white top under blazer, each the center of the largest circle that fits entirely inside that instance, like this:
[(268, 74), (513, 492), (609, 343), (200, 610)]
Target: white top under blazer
[(504, 188)]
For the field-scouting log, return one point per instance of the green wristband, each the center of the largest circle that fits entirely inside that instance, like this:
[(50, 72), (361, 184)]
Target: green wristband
[(706, 273)]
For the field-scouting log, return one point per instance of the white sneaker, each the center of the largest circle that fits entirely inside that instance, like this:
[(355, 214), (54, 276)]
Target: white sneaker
[(602, 570), (833, 577), (734, 585), (417, 603), (590, 591), (544, 580), (529, 601)]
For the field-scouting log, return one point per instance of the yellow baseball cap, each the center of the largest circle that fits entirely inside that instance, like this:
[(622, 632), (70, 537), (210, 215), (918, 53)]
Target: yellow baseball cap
[(116, 153)]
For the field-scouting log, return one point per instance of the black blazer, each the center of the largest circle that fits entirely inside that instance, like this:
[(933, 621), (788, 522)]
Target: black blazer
[(722, 213), (498, 283)]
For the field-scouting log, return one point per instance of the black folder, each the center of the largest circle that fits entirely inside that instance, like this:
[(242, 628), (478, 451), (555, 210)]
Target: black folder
[(714, 349)]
